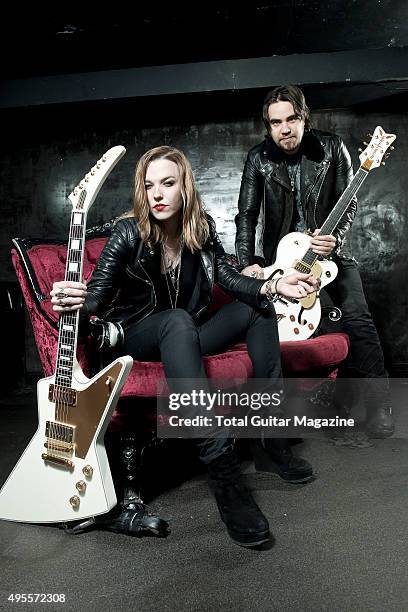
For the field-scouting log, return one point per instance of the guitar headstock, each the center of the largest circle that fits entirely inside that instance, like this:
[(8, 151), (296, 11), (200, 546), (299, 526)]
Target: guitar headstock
[(88, 188), (372, 156)]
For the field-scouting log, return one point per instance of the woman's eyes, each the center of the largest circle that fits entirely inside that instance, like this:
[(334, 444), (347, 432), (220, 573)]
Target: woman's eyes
[(166, 184)]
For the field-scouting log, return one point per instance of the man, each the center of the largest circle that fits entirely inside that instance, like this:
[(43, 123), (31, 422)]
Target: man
[(297, 174)]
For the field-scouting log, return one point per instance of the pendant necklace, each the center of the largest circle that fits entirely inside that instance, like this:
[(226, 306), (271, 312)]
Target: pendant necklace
[(172, 271)]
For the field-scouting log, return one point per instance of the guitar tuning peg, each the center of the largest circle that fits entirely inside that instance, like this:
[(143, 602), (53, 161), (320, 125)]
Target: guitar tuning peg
[(360, 150), (383, 163), (365, 144), (392, 148), (369, 135)]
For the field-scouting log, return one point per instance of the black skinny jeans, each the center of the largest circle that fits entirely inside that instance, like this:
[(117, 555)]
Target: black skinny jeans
[(366, 358), (173, 337)]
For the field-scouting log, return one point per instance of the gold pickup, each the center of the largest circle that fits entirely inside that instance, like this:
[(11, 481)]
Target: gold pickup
[(63, 434), (62, 395)]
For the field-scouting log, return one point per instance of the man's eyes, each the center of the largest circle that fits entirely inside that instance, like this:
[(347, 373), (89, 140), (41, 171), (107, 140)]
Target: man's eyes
[(290, 120)]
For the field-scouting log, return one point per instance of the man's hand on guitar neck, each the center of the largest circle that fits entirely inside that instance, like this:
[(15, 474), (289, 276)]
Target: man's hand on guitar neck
[(67, 296), (322, 245)]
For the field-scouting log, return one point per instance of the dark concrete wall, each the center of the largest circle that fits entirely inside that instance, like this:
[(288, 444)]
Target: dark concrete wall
[(44, 157)]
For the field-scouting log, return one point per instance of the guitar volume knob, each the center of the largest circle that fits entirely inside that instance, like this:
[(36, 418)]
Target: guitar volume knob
[(81, 486), (87, 471), (74, 501)]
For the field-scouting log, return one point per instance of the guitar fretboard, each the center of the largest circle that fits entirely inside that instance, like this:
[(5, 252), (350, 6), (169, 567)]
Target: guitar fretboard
[(337, 213), (68, 325)]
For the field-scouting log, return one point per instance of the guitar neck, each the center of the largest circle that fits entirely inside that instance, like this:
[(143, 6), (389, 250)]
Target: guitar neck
[(338, 211), (68, 325)]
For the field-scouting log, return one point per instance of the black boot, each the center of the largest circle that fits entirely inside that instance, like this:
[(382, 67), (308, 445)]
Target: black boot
[(131, 515), (380, 423), (246, 525), (377, 400), (275, 455)]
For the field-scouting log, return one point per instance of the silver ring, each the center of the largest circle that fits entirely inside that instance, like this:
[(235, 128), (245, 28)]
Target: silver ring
[(254, 274), (61, 295)]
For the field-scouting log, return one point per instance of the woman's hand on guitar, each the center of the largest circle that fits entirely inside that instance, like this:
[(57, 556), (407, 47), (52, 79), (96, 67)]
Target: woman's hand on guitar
[(67, 296), (322, 245), (297, 285)]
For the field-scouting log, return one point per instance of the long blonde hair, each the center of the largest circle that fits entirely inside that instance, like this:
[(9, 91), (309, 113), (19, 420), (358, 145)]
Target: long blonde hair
[(194, 223)]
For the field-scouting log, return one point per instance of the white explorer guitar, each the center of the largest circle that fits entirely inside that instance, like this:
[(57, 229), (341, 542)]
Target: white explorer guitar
[(299, 319), (63, 475)]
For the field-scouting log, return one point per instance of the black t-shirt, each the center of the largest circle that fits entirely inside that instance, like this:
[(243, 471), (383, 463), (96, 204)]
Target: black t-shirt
[(187, 282)]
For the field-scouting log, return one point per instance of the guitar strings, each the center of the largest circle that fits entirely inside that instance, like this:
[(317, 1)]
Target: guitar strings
[(334, 217), (67, 336)]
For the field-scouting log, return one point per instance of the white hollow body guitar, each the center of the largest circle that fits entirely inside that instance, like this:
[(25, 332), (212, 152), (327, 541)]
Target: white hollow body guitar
[(64, 474), (299, 319)]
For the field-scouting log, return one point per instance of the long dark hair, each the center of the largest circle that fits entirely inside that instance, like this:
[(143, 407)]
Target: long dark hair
[(287, 93)]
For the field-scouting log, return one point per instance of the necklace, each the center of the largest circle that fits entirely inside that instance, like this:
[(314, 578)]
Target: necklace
[(293, 171), (172, 268)]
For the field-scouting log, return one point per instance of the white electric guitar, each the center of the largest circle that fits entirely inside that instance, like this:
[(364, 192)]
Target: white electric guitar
[(63, 475), (299, 319)]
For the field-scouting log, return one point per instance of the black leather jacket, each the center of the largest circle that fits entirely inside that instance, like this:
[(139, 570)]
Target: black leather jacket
[(325, 173), (122, 287)]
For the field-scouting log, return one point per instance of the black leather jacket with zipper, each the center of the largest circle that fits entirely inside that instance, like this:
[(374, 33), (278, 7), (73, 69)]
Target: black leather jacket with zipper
[(326, 171), (122, 287)]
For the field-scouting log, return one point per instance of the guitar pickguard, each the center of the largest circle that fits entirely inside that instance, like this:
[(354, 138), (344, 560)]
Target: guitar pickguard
[(298, 319)]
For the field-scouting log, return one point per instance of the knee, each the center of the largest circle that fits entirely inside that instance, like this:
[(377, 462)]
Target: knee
[(178, 321)]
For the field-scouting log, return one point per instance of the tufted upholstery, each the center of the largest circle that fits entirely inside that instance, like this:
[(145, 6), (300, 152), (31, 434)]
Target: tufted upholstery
[(38, 265)]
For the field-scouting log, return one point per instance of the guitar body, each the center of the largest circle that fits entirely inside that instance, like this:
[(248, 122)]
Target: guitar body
[(42, 491), (63, 475), (298, 319)]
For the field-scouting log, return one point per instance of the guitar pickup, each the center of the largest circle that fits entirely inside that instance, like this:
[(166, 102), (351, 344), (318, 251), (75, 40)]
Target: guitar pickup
[(62, 395), (63, 434)]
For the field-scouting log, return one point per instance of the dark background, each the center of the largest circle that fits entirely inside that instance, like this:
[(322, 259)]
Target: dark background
[(73, 85)]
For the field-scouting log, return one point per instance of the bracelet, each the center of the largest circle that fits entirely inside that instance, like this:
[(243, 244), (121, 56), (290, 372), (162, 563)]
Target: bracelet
[(269, 292)]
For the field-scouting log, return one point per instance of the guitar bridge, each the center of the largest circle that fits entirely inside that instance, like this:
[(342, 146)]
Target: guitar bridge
[(67, 463)]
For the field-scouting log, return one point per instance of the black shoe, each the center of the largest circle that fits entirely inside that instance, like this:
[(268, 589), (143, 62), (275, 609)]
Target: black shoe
[(131, 519), (377, 401), (380, 423), (275, 455), (246, 525)]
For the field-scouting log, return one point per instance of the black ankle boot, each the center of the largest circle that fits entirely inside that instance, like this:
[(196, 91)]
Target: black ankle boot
[(377, 401), (380, 423), (246, 525), (275, 455)]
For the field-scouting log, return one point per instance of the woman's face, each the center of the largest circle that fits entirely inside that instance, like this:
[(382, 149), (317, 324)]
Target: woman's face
[(163, 188)]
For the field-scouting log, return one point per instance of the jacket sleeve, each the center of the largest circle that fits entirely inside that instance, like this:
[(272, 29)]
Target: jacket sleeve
[(344, 176), (249, 204), (243, 288), (106, 278)]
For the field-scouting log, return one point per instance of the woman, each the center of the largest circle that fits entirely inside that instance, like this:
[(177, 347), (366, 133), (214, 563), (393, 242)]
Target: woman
[(153, 283)]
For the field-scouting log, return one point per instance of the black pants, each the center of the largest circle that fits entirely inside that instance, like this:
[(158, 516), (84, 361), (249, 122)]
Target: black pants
[(366, 357), (173, 337)]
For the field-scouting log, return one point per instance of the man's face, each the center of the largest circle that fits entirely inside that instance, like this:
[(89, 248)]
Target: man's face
[(285, 126)]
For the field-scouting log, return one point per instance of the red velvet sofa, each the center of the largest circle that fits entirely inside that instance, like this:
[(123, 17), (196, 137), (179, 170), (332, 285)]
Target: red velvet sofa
[(143, 458), (39, 263)]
